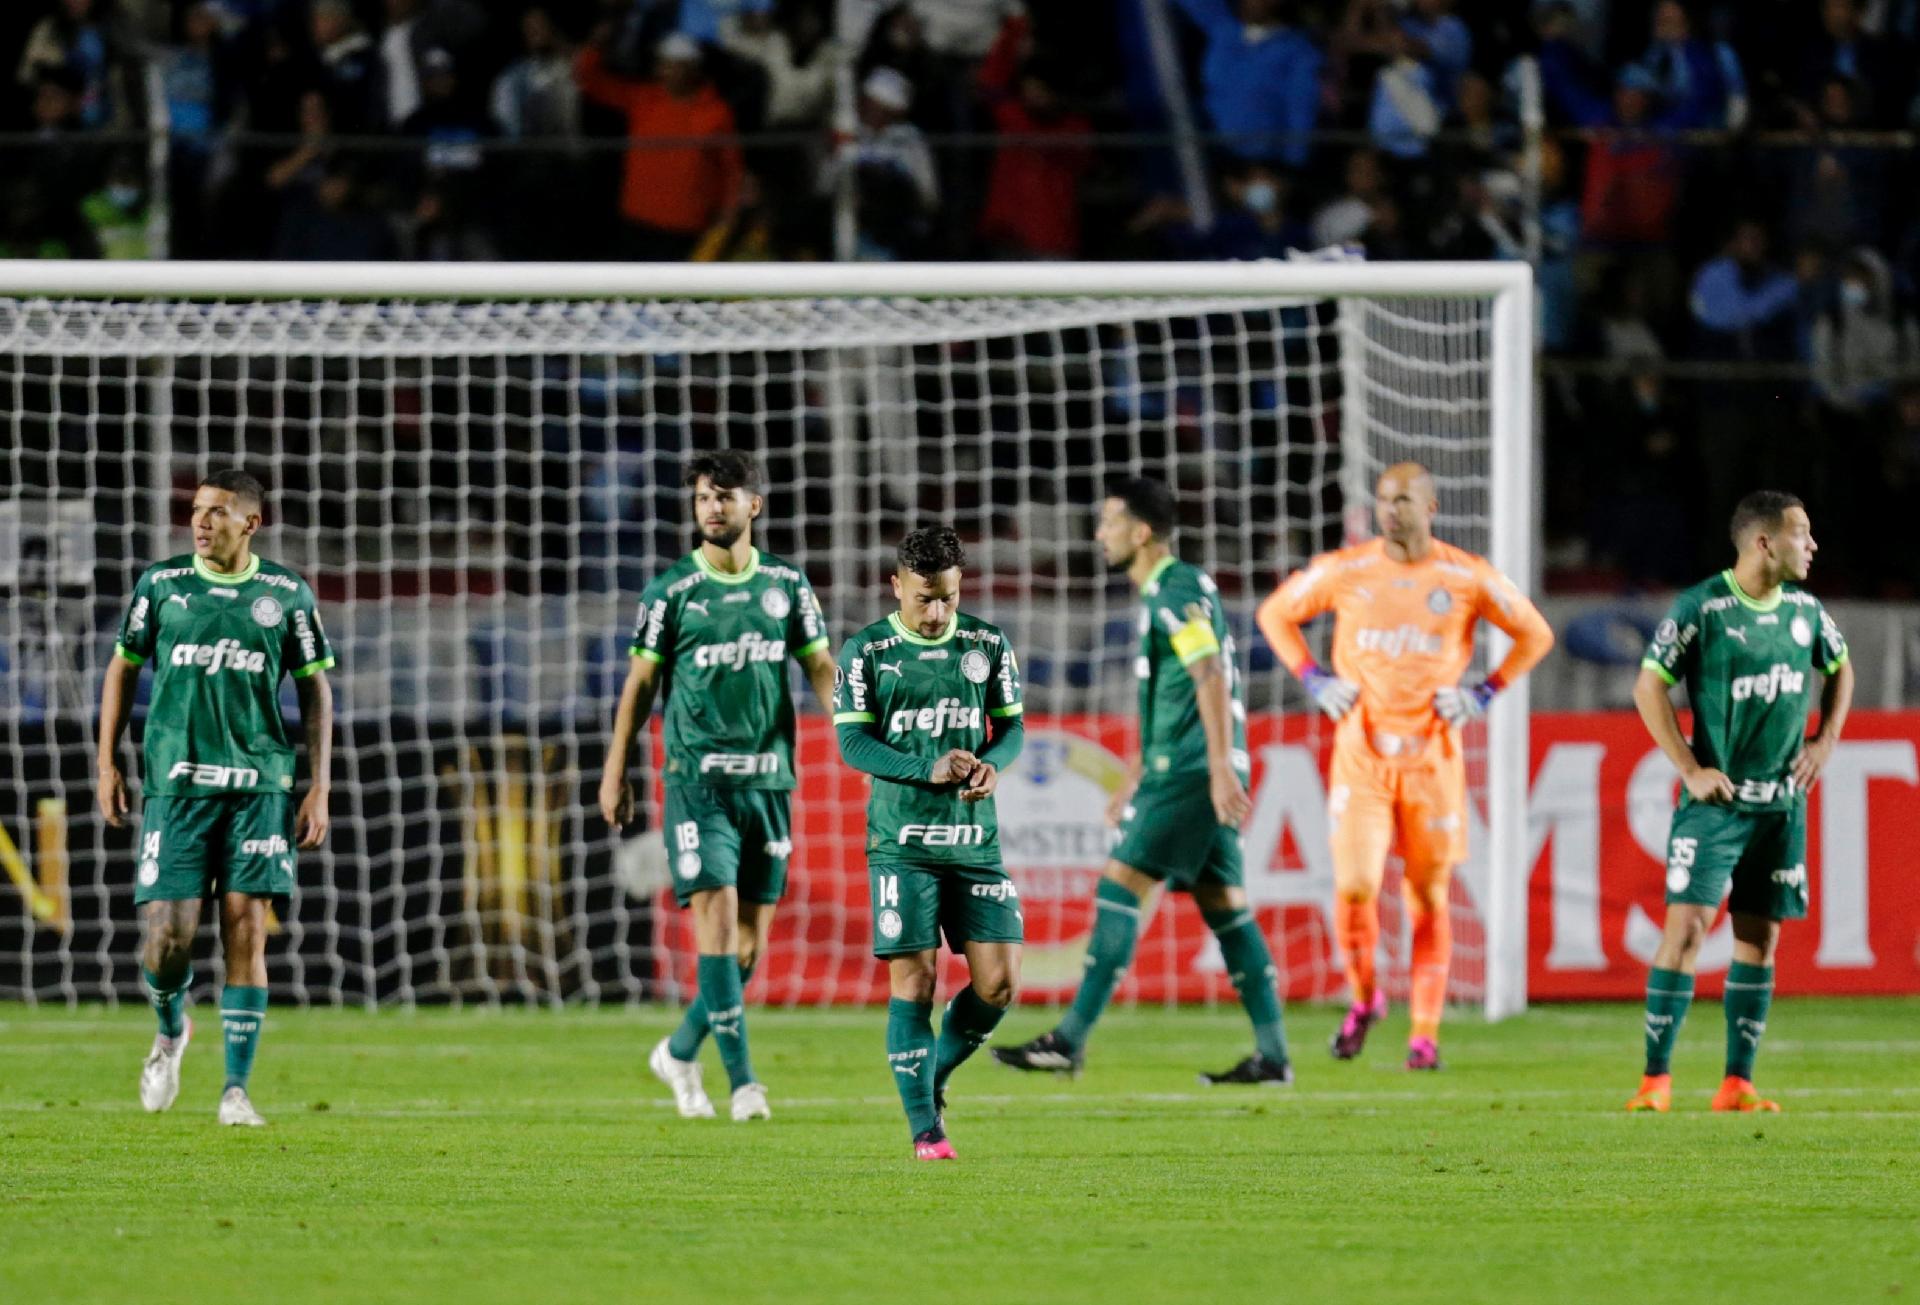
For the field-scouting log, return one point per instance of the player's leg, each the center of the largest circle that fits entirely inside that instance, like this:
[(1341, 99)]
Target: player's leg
[(1769, 885), (980, 912), (243, 1002), (170, 883), (716, 936), (761, 824), (1243, 949), (906, 935), (1431, 823), (1360, 816)]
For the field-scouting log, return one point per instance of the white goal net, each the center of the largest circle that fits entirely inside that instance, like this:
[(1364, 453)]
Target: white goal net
[(477, 468)]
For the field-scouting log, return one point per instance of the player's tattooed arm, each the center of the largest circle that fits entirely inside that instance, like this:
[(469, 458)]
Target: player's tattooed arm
[(636, 704), (316, 720), (116, 702), (1214, 696), (1836, 699), (1651, 697)]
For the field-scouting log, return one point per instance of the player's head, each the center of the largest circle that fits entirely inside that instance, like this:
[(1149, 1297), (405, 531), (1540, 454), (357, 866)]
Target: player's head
[(927, 579), (726, 494), (226, 511), (1134, 513), (1404, 503), (1774, 526)]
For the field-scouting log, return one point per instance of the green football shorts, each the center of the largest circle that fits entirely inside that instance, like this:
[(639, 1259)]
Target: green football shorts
[(914, 904), (1171, 833), (737, 838), (193, 847), (1762, 853)]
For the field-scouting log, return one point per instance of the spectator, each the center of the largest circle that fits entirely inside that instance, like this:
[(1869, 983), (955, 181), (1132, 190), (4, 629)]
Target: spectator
[(1443, 45), (350, 67), (1857, 347), (892, 169), (77, 37), (1252, 221), (898, 42), (196, 78), (964, 30), (795, 56), (300, 169), (1743, 307), (536, 96), (62, 167), (1033, 197), (671, 194), (1342, 220), (116, 214), (756, 231), (1844, 51), (454, 133), (1406, 111), (1261, 77), (1837, 191), (1700, 83), (1476, 226), (329, 224), (413, 28), (1633, 179)]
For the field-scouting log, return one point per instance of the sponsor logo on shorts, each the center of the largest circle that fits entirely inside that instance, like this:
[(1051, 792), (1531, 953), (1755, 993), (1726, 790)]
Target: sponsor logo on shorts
[(943, 835), (740, 763), (227, 655), (1399, 641), (775, 603), (935, 721), (779, 847), (266, 611), (890, 925), (211, 776), (1794, 877), (975, 666), (736, 654), (999, 892), (275, 846), (1776, 680), (688, 865)]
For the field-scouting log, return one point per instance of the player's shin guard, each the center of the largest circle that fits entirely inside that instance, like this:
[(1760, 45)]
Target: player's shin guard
[(169, 1001), (967, 1023), (720, 991), (1432, 954), (1669, 993), (1749, 994), (1116, 927), (685, 1042), (910, 1055), (1357, 920), (243, 1012), (1250, 967)]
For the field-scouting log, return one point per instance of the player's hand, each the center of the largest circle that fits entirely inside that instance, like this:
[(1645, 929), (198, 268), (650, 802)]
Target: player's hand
[(1812, 759), (110, 792), (1331, 694), (616, 801), (1708, 785), (311, 822), (1231, 805), (1462, 704), (1122, 799), (955, 767), (981, 783)]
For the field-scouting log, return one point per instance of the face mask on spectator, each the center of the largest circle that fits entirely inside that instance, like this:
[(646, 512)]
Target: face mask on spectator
[(1260, 197), (1854, 295)]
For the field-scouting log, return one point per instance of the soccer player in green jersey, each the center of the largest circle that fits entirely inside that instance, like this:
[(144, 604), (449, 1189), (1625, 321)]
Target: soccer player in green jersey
[(928, 703), (713, 637), (220, 626), (1179, 816), (1746, 643)]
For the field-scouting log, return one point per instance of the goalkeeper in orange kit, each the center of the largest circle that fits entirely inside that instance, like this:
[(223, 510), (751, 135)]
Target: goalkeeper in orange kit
[(1404, 609)]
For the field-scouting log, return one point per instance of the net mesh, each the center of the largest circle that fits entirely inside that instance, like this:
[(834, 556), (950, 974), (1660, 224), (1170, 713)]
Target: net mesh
[(478, 491)]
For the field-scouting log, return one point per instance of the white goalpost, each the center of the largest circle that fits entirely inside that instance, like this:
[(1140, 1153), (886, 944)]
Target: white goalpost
[(478, 466)]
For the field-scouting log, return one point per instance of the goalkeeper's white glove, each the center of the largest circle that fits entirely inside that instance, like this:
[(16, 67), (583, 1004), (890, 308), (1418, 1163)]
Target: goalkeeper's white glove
[(1331, 694), (1462, 704)]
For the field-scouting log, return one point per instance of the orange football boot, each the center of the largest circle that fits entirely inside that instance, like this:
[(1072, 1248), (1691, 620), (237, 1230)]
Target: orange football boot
[(1738, 1094), (1655, 1094)]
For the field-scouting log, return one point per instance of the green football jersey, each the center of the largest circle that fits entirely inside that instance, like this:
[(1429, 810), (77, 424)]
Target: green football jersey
[(1747, 669), (927, 697), (1181, 621), (218, 645), (723, 641)]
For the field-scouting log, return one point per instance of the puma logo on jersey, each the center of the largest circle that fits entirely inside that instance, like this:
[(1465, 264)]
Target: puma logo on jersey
[(211, 776), (1769, 684), (178, 598), (227, 655), (947, 714), (1399, 641), (892, 666), (1737, 632), (697, 605)]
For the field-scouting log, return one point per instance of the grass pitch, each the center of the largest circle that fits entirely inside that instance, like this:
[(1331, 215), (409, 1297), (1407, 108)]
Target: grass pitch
[(527, 1156)]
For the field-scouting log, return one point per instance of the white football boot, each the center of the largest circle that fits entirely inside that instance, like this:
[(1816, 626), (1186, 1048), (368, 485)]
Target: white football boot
[(237, 1111), (750, 1102), (160, 1075), (683, 1077)]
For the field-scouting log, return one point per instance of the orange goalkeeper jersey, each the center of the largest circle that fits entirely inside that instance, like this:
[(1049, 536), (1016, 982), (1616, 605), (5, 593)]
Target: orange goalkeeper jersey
[(1402, 631)]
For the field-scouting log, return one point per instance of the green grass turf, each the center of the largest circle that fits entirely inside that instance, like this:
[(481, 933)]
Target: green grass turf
[(526, 1156)]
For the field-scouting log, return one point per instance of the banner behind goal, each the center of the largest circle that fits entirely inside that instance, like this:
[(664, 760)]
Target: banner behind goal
[(478, 467)]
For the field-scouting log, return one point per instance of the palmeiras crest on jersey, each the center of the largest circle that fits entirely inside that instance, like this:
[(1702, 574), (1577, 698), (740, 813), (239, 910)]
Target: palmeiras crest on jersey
[(775, 603), (975, 667)]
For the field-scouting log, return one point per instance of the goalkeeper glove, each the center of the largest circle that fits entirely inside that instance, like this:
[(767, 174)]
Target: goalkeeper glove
[(1331, 694), (1465, 703)]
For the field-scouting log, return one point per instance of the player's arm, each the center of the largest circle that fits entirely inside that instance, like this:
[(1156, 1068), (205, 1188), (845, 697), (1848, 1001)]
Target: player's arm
[(1213, 695), (1006, 709), (116, 705), (1305, 595), (807, 636), (636, 704), (1506, 608), (861, 743), (315, 692), (1836, 700), (1653, 699)]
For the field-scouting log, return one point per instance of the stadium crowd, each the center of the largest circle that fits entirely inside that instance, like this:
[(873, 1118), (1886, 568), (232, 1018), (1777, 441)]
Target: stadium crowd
[(1728, 254)]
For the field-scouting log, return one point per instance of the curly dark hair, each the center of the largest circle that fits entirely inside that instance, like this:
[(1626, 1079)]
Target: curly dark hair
[(243, 484), (1149, 502), (1761, 510), (931, 550), (726, 468)]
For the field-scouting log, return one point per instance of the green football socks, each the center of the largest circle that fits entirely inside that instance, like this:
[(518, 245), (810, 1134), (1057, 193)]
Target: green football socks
[(1250, 967), (720, 992), (169, 1002), (910, 1055), (1749, 994), (966, 1025), (243, 1010), (1669, 993), (1116, 927), (686, 1040)]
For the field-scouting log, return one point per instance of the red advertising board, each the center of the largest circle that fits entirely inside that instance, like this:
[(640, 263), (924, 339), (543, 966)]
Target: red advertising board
[(1598, 806)]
